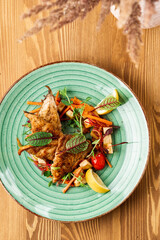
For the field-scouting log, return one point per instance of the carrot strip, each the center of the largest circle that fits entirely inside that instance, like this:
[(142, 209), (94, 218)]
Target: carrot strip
[(34, 103), (98, 119), (87, 108), (108, 163), (68, 185), (35, 110), (57, 98), (23, 148), (78, 170), (64, 111), (77, 103), (76, 100), (57, 95), (57, 103)]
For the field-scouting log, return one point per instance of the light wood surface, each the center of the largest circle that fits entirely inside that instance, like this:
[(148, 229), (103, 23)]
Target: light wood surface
[(138, 217)]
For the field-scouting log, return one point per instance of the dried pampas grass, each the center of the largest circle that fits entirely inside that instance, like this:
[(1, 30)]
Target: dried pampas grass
[(61, 12), (132, 29)]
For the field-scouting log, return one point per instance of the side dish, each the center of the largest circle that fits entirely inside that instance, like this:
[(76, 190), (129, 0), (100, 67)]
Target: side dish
[(67, 139)]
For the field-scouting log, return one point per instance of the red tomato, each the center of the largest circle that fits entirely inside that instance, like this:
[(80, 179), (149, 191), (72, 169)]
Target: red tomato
[(98, 161)]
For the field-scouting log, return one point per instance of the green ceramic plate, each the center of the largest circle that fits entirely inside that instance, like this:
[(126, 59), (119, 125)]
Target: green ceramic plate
[(24, 181)]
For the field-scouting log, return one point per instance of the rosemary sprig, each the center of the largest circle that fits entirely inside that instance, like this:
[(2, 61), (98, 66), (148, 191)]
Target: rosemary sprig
[(95, 143), (77, 114), (65, 98), (66, 177)]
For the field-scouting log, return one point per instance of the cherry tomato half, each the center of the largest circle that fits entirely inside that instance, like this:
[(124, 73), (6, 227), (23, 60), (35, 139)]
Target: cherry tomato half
[(98, 161)]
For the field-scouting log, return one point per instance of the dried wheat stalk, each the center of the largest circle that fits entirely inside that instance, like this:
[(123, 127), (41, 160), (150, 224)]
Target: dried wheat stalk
[(132, 30), (61, 12)]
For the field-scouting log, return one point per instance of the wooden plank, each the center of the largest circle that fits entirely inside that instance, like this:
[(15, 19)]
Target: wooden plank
[(139, 216)]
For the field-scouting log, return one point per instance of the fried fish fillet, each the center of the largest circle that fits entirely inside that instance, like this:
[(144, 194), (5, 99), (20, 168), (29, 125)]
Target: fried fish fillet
[(38, 124), (46, 121), (49, 111), (45, 152), (65, 161)]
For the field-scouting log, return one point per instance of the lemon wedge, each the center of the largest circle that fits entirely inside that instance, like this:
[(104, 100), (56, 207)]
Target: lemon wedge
[(104, 111), (95, 182)]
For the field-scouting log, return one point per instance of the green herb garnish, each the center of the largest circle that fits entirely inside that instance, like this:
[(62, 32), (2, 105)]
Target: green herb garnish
[(95, 143), (30, 159), (77, 114), (77, 144), (82, 185), (39, 139), (64, 97), (55, 168), (69, 127), (47, 173), (50, 183), (26, 132), (109, 103), (28, 125), (67, 177), (86, 100), (79, 179), (66, 102)]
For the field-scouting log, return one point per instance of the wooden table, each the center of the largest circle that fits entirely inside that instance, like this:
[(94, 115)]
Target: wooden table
[(138, 217)]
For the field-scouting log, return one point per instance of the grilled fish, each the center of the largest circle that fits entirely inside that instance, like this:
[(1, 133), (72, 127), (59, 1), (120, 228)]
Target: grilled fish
[(45, 152), (38, 124), (49, 111), (65, 161), (47, 120)]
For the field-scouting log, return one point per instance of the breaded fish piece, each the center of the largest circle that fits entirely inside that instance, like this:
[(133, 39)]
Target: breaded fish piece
[(66, 161), (46, 121), (38, 124), (49, 110), (45, 152)]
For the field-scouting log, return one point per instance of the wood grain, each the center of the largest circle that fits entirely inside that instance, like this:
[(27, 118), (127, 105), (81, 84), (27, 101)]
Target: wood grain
[(137, 218)]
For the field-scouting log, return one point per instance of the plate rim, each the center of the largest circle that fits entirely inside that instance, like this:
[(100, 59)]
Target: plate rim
[(147, 123)]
